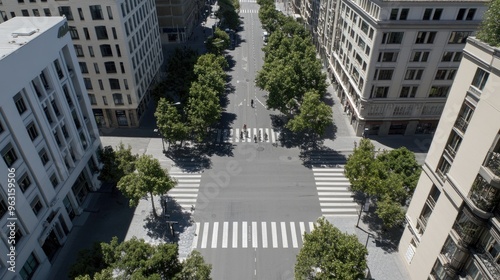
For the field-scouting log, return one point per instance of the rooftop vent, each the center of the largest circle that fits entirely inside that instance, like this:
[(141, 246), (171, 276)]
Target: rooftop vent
[(24, 32)]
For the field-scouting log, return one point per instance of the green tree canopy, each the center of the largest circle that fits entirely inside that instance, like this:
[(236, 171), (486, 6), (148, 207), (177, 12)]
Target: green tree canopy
[(149, 178), (116, 163), (217, 43), (195, 268), (328, 253), (203, 109), (314, 115), (489, 31), (170, 122)]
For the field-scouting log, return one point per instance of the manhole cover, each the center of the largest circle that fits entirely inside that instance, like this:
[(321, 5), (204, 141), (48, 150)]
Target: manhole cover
[(289, 158), (260, 149), (247, 80)]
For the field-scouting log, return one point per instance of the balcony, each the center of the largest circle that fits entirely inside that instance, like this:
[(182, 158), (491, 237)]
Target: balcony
[(487, 262), (493, 163), (450, 151), (483, 195), (461, 124), (474, 90)]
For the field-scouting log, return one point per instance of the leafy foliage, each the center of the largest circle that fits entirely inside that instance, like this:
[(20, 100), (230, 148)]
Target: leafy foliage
[(149, 178), (170, 122), (330, 254), (227, 9), (489, 31), (195, 268), (217, 43), (203, 109), (116, 163), (390, 177), (314, 115)]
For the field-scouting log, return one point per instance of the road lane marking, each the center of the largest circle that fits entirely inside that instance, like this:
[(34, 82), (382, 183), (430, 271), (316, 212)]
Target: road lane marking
[(255, 243), (264, 235), (244, 233), (204, 238), (311, 226), (196, 235), (235, 234), (273, 138), (283, 235), (225, 234), (293, 231), (274, 235), (302, 230)]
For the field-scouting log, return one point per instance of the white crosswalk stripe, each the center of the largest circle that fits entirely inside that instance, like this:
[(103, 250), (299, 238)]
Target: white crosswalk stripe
[(334, 192), (253, 234), (245, 11), (248, 1), (267, 135), (186, 191)]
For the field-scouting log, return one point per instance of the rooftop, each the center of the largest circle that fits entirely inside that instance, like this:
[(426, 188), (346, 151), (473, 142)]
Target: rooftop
[(18, 31)]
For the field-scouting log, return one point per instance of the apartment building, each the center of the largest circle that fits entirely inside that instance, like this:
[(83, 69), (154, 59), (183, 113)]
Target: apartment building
[(118, 46), (453, 221), (393, 62), (48, 144), (178, 18)]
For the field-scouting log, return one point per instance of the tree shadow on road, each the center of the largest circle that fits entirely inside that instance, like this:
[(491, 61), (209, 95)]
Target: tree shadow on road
[(189, 158), (387, 239), (321, 156)]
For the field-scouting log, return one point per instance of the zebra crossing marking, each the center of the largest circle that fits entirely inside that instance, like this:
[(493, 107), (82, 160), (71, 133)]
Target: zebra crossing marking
[(186, 192), (334, 191), (213, 235), (234, 135)]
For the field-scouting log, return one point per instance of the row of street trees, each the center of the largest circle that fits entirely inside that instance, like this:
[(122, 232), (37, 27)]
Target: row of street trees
[(203, 108), (389, 177), (292, 73), (228, 11), (136, 259)]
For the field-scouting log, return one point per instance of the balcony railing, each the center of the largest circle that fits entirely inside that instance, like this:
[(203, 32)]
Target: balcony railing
[(490, 265), (451, 151), (475, 90), (431, 202), (493, 163), (461, 124)]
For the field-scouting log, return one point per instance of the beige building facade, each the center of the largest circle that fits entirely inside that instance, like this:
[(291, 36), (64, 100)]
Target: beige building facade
[(178, 18), (453, 221)]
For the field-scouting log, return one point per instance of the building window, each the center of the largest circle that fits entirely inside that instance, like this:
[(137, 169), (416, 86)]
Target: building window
[(118, 52), (380, 92), (96, 68), (36, 13), (58, 140), (55, 108), (445, 74), (36, 205), (25, 13), (464, 117), (408, 92), (484, 196), (93, 101), (466, 14), (46, 11), (88, 83), (20, 105), (96, 12), (425, 37), (388, 56), (453, 144), (122, 67), (419, 56), (101, 84), (101, 32), (83, 67), (452, 56), (44, 157), (114, 83), (439, 91), (414, 74), (106, 50), (392, 37), (434, 14), (86, 33), (74, 33), (91, 51), (129, 98), (110, 13), (79, 50), (66, 95), (65, 131), (66, 11), (105, 100), (118, 98), (32, 131), (54, 181), (110, 67), (459, 37), (29, 267), (466, 226), (443, 168), (113, 30), (80, 13), (402, 16), (480, 78), (25, 182), (402, 110), (383, 74)]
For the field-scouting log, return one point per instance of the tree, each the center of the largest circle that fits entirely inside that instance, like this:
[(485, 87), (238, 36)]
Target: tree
[(362, 168), (328, 253), (149, 178), (217, 43), (314, 115), (489, 31), (170, 122), (180, 73), (390, 212), (195, 268), (116, 163), (90, 261), (203, 109), (209, 70)]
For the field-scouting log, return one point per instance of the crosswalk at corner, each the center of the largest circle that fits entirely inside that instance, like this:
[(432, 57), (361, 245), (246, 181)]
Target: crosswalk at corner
[(186, 191), (264, 135), (246, 11), (335, 196)]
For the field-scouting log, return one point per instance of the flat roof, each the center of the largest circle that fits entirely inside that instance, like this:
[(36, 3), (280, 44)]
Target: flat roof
[(18, 31)]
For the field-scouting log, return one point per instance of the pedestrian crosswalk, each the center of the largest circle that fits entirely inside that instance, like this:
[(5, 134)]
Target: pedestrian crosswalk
[(265, 135), (335, 196), (248, 1), (247, 11), (232, 235), (186, 191)]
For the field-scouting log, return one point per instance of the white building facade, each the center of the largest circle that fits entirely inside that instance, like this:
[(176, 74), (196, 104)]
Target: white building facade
[(118, 46), (393, 62), (453, 221), (48, 144)]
